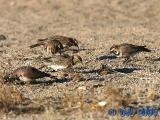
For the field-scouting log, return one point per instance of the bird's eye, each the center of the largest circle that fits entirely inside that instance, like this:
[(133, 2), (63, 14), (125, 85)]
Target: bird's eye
[(116, 52), (113, 50)]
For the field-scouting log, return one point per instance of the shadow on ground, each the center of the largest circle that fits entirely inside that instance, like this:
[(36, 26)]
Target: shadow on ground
[(27, 109), (43, 82), (50, 82), (106, 57), (126, 70)]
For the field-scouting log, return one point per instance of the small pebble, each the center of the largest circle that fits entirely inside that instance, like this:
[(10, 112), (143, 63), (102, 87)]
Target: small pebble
[(82, 88), (102, 103)]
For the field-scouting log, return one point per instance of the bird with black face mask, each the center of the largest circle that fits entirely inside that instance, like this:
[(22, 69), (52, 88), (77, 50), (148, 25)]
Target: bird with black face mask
[(127, 51), (62, 62)]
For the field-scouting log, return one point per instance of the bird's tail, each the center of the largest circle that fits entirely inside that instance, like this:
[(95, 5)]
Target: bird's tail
[(143, 48), (36, 45), (42, 40)]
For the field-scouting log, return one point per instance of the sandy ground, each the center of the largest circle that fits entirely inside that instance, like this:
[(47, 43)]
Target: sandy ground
[(97, 25)]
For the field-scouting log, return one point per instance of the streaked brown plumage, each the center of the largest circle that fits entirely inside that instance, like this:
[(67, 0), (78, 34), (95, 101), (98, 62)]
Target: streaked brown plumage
[(127, 51), (51, 46), (27, 74), (67, 42), (62, 62)]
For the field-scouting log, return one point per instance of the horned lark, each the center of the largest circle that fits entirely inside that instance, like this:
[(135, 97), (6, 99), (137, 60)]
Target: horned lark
[(54, 46), (67, 42), (127, 50), (61, 62), (51, 46), (26, 74)]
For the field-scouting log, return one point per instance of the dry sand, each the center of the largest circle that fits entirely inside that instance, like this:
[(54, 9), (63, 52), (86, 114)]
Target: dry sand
[(97, 25)]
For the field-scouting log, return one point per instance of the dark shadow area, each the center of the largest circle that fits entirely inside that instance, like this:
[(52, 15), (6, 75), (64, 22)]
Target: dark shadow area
[(49, 82), (121, 70), (98, 70), (97, 86), (95, 78), (104, 57), (44, 82), (88, 71), (26, 109), (126, 70), (83, 49)]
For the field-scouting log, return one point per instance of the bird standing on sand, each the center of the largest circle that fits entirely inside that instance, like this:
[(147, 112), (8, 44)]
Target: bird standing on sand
[(61, 62), (27, 74), (51, 46), (127, 51), (67, 42), (54, 46)]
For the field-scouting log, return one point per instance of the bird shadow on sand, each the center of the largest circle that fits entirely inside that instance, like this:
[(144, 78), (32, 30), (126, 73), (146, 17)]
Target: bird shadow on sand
[(126, 70), (106, 57), (45, 82), (117, 70), (85, 49), (49, 82), (26, 110), (120, 70)]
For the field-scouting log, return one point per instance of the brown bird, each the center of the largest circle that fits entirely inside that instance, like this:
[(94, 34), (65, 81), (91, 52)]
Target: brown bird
[(26, 74), (127, 51), (51, 46), (67, 42), (54, 46), (61, 62)]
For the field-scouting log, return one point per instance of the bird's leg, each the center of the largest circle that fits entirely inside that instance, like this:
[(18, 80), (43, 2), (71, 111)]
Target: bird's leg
[(60, 52), (127, 60)]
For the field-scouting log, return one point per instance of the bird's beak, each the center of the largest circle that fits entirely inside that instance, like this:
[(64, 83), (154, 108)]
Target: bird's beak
[(110, 53)]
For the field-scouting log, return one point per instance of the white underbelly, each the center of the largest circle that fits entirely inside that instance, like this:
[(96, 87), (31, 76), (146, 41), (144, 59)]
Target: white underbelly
[(57, 67), (25, 79)]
